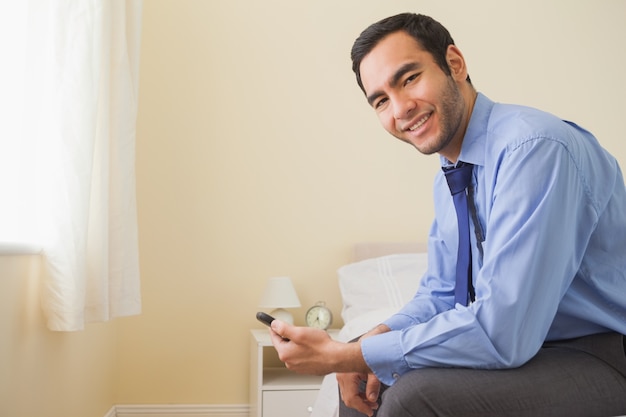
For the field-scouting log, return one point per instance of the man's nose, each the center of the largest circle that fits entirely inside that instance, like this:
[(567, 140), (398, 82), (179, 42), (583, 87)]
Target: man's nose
[(403, 106)]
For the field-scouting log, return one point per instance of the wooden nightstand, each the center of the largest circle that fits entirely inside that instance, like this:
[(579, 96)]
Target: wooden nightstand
[(275, 391)]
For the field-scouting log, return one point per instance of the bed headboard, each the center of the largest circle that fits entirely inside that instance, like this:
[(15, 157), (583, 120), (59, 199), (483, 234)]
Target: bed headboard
[(368, 250)]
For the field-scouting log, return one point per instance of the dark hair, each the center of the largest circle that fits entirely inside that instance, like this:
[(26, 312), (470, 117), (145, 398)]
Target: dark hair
[(430, 34)]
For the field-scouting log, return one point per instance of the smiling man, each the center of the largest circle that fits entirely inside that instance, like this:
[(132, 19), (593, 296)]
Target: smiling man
[(522, 310), (398, 74)]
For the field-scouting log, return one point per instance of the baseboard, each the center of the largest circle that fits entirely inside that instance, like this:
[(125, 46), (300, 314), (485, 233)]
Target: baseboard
[(111, 413), (181, 410)]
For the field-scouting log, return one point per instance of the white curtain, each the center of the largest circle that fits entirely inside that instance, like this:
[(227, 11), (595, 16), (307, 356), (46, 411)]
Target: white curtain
[(82, 68)]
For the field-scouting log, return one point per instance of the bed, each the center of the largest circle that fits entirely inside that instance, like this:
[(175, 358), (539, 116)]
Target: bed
[(382, 278)]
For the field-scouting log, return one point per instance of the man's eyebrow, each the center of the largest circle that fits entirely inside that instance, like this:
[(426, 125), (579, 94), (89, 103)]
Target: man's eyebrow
[(394, 80)]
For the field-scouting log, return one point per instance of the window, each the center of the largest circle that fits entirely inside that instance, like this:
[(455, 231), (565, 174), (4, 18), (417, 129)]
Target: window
[(68, 106), (16, 169)]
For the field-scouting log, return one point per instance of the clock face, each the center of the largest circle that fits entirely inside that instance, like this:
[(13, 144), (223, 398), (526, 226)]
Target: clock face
[(319, 317)]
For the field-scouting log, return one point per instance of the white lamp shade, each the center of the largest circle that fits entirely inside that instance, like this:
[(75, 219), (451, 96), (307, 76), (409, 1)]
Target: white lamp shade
[(279, 293)]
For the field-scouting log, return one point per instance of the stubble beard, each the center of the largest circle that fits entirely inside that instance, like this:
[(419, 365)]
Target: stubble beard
[(450, 119)]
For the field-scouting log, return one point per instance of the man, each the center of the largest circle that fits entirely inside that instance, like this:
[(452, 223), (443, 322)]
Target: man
[(539, 329)]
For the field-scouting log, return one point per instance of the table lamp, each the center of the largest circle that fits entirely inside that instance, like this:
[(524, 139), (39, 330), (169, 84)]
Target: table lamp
[(280, 294)]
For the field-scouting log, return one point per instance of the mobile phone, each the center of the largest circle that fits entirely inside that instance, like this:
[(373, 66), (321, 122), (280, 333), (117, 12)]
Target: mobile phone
[(264, 318), (267, 320)]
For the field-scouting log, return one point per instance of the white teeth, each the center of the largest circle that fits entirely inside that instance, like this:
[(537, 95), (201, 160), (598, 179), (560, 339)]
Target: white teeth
[(419, 123)]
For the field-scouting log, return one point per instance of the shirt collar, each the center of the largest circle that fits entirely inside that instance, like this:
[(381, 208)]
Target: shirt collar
[(474, 141)]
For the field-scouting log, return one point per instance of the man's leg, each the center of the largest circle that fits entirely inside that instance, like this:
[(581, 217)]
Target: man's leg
[(561, 380)]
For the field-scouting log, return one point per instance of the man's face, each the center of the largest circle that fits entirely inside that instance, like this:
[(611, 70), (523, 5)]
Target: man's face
[(414, 99)]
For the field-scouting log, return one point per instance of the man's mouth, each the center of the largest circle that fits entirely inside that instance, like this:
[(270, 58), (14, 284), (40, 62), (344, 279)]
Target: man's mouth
[(420, 122)]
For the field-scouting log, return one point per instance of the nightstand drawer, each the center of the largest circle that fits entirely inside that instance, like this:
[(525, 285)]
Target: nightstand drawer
[(292, 403)]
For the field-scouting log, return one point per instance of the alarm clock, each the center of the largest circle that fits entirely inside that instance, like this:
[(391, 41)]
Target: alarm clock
[(319, 316)]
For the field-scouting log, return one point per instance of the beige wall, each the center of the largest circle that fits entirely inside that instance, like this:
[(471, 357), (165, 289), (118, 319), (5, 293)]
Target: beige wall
[(258, 156), (44, 373)]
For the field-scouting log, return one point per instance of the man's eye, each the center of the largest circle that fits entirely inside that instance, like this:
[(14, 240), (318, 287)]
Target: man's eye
[(411, 78), (380, 103)]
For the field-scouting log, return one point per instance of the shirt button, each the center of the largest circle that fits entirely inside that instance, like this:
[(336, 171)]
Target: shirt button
[(395, 375)]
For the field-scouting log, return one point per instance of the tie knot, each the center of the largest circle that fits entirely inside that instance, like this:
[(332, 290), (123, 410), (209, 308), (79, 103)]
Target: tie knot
[(458, 177)]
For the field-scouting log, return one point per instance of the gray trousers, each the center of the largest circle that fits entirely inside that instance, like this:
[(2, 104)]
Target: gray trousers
[(583, 377)]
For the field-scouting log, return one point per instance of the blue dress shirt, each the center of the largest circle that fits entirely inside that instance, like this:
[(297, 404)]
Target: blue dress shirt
[(548, 244)]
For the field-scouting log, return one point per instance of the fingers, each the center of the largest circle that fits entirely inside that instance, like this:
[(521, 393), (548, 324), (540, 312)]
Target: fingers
[(372, 389), (280, 331), (349, 384), (353, 395)]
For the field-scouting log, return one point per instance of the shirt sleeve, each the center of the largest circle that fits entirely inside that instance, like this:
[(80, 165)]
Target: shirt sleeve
[(538, 217)]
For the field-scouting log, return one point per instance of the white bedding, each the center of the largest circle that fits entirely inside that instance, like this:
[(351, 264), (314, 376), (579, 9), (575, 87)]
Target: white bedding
[(371, 290)]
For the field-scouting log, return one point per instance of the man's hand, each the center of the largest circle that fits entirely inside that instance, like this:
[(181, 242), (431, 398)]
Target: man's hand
[(351, 384), (352, 394), (311, 351)]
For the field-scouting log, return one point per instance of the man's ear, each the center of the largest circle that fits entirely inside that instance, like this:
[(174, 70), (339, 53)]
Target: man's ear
[(456, 63)]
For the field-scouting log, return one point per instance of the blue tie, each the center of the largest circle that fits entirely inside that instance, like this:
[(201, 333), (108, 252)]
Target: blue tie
[(458, 179)]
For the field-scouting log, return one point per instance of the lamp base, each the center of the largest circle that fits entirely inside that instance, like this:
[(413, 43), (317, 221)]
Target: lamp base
[(282, 315)]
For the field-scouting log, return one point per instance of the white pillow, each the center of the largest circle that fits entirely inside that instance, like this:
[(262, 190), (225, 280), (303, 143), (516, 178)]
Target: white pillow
[(386, 282)]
